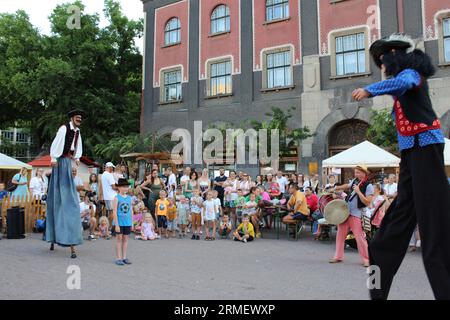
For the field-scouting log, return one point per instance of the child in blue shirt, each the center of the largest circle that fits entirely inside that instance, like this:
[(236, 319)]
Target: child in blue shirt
[(123, 221)]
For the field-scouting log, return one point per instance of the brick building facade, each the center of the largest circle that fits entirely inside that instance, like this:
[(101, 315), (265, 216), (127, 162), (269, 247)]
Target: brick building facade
[(230, 60)]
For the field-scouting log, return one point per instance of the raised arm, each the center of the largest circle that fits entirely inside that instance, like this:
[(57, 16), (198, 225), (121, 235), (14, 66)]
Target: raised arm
[(397, 86)]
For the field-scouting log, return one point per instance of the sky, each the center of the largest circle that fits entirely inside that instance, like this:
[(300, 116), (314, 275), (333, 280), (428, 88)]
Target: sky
[(40, 10)]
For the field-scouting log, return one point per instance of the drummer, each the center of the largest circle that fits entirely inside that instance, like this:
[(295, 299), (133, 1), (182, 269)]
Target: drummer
[(360, 197)]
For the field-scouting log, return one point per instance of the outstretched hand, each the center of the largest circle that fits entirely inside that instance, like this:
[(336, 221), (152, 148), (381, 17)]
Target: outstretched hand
[(360, 94)]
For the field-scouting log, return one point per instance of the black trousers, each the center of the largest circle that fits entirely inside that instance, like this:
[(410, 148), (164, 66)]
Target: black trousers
[(423, 198)]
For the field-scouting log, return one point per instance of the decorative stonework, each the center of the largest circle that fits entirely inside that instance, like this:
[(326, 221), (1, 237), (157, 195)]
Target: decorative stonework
[(311, 73)]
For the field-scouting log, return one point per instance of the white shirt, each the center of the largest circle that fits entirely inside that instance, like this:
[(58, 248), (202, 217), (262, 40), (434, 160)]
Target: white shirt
[(57, 147), (282, 182), (209, 209), (107, 182), (172, 180), (37, 186), (85, 207), (390, 189)]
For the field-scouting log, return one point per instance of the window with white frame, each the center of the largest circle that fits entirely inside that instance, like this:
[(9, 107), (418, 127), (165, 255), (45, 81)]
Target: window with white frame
[(172, 32), (220, 82), (277, 9), (8, 136), (220, 19), (446, 34), (350, 54), (278, 69), (172, 85), (22, 137)]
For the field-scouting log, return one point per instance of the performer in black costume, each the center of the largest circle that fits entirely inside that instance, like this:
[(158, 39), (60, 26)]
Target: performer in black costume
[(423, 190)]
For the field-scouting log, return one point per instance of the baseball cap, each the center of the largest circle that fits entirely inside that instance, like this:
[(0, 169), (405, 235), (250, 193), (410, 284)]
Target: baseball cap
[(109, 165)]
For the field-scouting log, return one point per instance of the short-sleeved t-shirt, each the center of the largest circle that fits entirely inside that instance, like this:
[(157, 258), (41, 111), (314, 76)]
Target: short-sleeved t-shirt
[(246, 229), (161, 207), (220, 189), (353, 204), (209, 207), (172, 213), (299, 196), (107, 182), (196, 203), (390, 189)]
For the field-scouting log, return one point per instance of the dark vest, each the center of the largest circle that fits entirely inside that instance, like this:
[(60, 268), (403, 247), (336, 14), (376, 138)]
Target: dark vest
[(363, 189), (416, 104), (70, 135)]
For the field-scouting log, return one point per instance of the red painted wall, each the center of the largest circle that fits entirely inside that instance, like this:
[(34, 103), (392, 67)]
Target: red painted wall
[(431, 8), (275, 34), (347, 14), (174, 55), (220, 45)]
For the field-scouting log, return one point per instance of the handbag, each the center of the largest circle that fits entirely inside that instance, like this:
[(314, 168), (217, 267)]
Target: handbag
[(11, 187)]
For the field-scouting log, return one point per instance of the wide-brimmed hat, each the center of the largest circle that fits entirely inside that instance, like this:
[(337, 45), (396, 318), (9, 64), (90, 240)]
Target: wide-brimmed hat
[(396, 41), (364, 168), (76, 112), (123, 183)]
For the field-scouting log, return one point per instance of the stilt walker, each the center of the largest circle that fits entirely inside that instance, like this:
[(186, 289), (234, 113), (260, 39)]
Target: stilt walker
[(423, 190), (63, 221)]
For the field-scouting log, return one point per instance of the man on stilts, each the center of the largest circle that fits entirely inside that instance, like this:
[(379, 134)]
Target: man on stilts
[(423, 190), (63, 221)]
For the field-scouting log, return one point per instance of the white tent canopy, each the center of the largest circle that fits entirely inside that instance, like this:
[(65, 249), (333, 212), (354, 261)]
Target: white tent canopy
[(447, 152), (365, 153), (8, 163)]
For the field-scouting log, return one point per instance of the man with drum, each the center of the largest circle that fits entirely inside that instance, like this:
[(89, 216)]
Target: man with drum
[(360, 197)]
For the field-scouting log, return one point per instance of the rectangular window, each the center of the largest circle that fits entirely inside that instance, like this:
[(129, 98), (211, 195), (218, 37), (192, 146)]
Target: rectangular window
[(8, 136), (220, 78), (279, 72), (172, 86), (350, 54), (22, 137), (277, 9), (446, 31)]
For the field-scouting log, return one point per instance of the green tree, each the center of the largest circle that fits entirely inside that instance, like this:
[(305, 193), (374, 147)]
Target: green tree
[(382, 131), (95, 69)]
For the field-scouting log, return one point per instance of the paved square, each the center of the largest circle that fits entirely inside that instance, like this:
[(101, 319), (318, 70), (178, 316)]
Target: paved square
[(187, 269)]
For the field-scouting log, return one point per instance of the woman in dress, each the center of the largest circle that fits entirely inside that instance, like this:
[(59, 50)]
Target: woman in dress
[(21, 181), (191, 185), (153, 185), (204, 183), (231, 185)]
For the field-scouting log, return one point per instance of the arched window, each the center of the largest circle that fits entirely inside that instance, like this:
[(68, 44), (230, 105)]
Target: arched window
[(172, 33), (220, 19), (277, 9)]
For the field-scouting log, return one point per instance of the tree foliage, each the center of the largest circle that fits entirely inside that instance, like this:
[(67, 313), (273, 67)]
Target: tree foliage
[(94, 69), (382, 131)]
